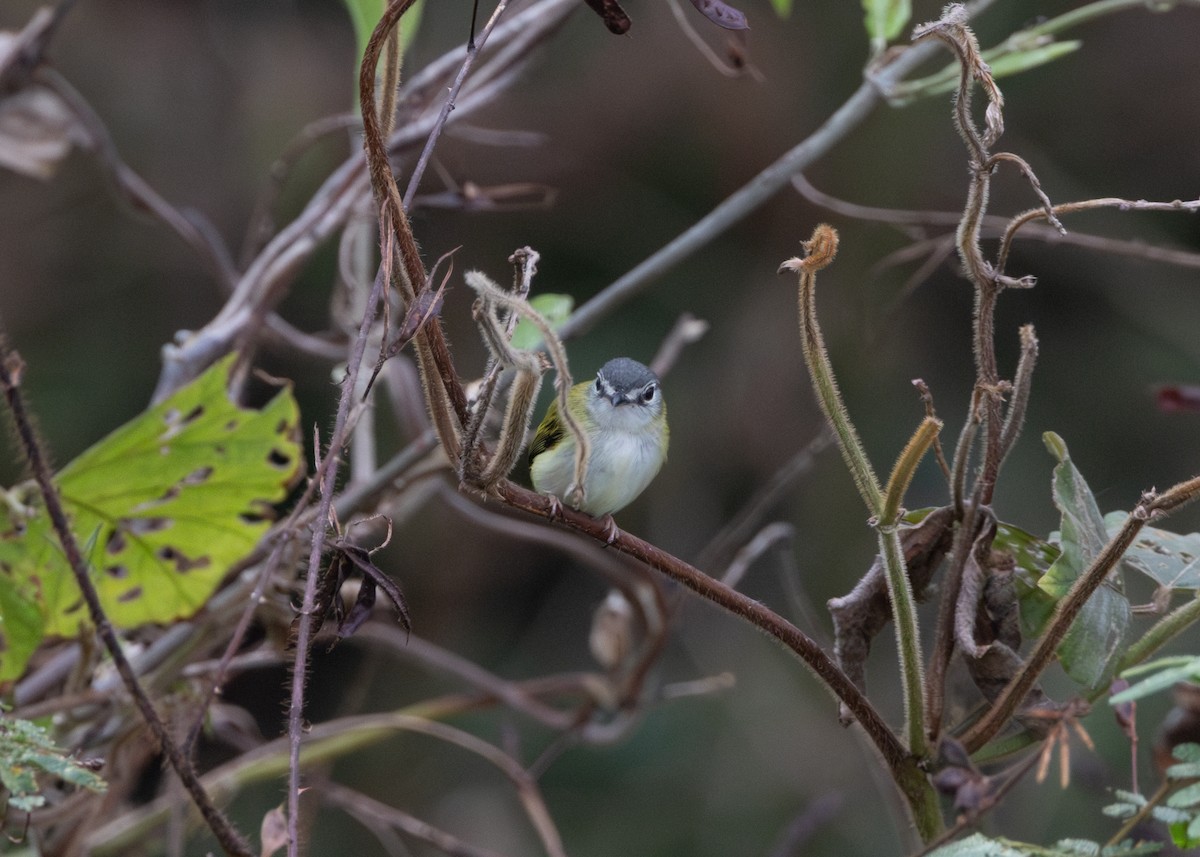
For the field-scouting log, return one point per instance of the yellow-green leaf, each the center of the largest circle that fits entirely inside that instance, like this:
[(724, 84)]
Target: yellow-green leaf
[(163, 506)]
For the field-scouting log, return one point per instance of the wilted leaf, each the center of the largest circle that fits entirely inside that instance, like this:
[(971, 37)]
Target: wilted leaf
[(555, 308), (1089, 650), (721, 14), (346, 558), (273, 833), (167, 504), (885, 19), (860, 615)]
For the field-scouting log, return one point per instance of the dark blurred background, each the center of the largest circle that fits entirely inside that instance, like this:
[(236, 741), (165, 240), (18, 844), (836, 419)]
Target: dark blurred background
[(642, 138)]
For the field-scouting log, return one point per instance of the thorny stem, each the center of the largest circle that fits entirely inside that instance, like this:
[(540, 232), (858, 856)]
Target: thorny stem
[(326, 476), (11, 368)]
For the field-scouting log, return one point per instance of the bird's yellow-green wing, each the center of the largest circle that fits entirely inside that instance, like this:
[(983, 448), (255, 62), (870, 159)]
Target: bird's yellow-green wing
[(549, 432)]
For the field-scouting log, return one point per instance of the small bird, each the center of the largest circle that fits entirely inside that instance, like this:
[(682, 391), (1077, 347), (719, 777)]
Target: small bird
[(625, 419)]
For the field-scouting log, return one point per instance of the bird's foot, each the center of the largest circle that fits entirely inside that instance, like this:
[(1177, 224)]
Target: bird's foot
[(611, 531)]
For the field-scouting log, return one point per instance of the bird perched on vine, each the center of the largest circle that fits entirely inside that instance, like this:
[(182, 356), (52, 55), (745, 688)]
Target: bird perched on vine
[(624, 418)]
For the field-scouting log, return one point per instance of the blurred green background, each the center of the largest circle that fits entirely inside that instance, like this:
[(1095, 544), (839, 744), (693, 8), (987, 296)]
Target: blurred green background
[(641, 138)]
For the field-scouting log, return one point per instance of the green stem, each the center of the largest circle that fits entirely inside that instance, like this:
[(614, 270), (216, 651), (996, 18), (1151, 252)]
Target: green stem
[(1161, 633), (908, 640), (819, 252)]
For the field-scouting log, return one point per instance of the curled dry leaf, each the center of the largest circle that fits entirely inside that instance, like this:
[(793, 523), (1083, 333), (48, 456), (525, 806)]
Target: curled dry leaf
[(968, 611), (348, 558), (273, 832), (866, 610)]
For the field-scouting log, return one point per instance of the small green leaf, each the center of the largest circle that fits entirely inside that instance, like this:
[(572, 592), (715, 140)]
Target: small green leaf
[(554, 308), (1170, 672), (1189, 762), (1185, 797), (978, 845), (783, 8), (1004, 60), (885, 19), (27, 751), (1089, 650), (1024, 60), (167, 503)]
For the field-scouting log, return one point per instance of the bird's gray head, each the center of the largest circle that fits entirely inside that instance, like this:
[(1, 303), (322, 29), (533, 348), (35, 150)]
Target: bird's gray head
[(626, 382)]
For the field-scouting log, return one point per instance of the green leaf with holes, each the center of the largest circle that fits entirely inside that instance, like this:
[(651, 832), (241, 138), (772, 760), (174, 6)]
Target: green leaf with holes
[(162, 508)]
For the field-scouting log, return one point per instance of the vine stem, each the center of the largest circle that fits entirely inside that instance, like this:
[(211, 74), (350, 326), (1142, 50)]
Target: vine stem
[(11, 369)]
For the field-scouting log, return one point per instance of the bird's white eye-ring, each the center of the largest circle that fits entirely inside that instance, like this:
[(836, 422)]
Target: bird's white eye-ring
[(648, 393)]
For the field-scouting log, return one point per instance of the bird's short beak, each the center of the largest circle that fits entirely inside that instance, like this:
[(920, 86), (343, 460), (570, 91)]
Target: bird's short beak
[(617, 399)]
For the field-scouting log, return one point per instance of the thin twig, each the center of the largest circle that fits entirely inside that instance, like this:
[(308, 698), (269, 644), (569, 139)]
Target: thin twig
[(472, 51), (747, 198), (364, 808)]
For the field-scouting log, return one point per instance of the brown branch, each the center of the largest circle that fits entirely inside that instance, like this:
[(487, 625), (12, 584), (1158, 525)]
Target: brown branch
[(758, 615), (11, 369)]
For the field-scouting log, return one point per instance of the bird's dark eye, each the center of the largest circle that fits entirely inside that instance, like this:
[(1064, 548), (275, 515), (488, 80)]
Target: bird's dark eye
[(648, 393), (599, 386)]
